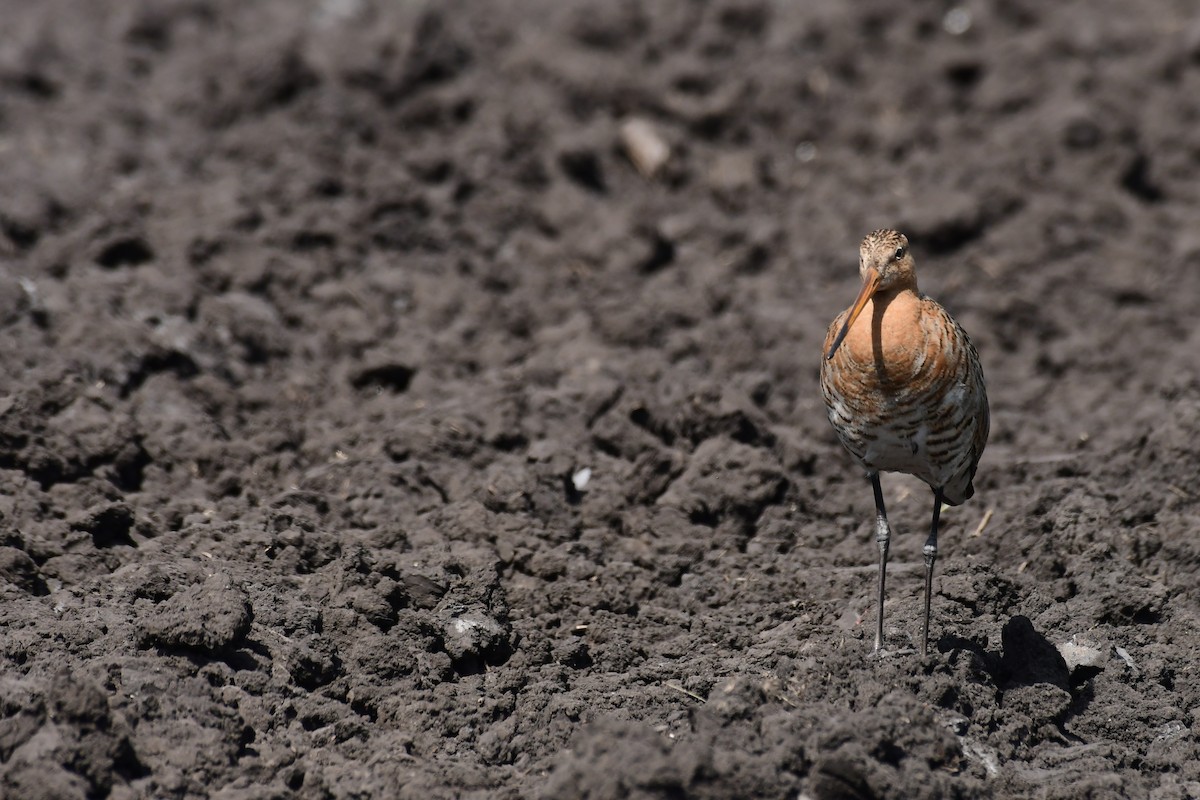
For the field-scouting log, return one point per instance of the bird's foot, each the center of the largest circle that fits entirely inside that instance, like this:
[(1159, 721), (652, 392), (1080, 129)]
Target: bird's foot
[(890, 652)]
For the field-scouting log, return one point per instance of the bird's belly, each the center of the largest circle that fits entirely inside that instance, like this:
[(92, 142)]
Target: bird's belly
[(889, 452), (890, 434), (887, 448)]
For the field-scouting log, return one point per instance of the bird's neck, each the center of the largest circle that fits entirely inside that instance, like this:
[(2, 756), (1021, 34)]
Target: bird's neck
[(888, 328), (901, 296)]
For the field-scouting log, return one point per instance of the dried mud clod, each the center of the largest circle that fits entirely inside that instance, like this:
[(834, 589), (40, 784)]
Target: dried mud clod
[(209, 618)]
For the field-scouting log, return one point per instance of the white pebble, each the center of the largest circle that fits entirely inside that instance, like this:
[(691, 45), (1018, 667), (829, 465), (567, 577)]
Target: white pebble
[(645, 147), (1128, 659), (580, 479), (1077, 654), (805, 152), (957, 21)]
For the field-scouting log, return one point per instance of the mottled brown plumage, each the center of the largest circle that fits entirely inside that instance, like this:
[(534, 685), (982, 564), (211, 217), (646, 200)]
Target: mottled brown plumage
[(905, 392)]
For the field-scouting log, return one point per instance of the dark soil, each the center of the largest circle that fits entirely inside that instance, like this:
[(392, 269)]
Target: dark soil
[(314, 312)]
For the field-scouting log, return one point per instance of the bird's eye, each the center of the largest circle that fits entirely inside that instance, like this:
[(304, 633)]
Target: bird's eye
[(899, 254)]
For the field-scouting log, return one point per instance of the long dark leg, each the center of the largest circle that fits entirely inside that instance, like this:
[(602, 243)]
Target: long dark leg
[(883, 536), (930, 551)]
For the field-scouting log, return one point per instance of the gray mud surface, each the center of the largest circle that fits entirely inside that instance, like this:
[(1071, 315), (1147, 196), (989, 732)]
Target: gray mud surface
[(312, 313)]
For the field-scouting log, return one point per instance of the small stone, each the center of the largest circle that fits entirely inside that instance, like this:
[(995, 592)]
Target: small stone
[(957, 21), (1079, 654), (581, 478), (645, 147), (473, 639)]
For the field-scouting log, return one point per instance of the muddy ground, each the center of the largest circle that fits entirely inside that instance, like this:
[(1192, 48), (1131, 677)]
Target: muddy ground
[(313, 315)]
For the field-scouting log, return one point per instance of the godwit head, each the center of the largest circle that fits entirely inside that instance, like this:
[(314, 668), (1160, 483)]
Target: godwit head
[(886, 266)]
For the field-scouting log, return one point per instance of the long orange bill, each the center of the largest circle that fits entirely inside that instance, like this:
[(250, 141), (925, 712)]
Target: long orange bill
[(870, 284)]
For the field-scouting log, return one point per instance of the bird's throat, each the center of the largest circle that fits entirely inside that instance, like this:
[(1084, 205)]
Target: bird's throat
[(887, 334)]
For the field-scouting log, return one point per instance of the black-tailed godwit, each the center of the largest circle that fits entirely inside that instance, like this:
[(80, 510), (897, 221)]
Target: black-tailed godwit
[(905, 393)]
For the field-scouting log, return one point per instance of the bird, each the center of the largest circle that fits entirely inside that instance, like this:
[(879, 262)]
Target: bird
[(905, 392)]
